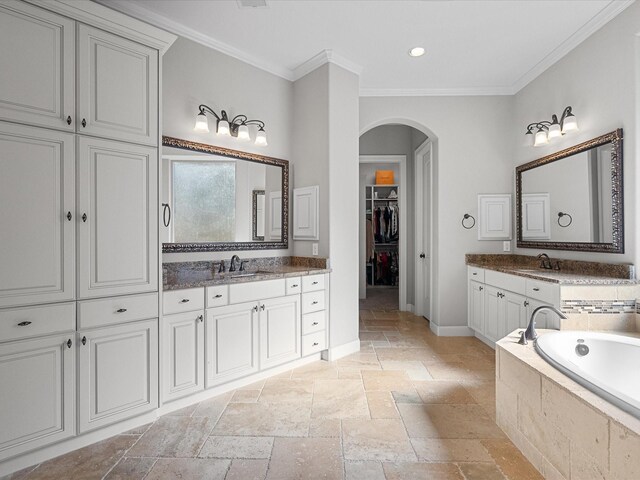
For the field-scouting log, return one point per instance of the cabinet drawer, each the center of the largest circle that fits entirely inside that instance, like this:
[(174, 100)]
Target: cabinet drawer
[(294, 285), (217, 295), (314, 342), (110, 311), (476, 274), (187, 300), (251, 291), (313, 322), (544, 291), (312, 302), (17, 323), (504, 281), (312, 283)]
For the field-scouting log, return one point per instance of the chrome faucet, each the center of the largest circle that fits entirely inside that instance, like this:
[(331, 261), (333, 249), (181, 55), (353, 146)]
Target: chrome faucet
[(545, 261), (232, 267), (530, 332)]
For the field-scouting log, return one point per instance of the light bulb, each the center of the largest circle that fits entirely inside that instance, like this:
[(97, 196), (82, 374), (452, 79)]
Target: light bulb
[(570, 124), (261, 138), (223, 128), (243, 132), (541, 138), (202, 124)]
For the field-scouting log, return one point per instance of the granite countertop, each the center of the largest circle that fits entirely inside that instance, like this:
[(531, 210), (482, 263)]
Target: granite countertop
[(571, 272), (195, 274)]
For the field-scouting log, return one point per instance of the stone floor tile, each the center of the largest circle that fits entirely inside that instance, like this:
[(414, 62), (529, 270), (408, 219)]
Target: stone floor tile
[(382, 405), (307, 458), (265, 419), (361, 361), (406, 396), (237, 447), (448, 421), (280, 390), (346, 373), (91, 462), (386, 380), (404, 354), (315, 370), (450, 450), (213, 407), (138, 430), (363, 471), (131, 469), (325, 427), (422, 471), (189, 468), (245, 396), (244, 469), (379, 439), (339, 399), (510, 461), (184, 412), (443, 391), (481, 471), (173, 437)]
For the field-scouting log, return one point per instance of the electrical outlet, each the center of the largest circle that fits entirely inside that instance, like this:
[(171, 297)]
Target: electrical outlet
[(506, 246), (314, 249)]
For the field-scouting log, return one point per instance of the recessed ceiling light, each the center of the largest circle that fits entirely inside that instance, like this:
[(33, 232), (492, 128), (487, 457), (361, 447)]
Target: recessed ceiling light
[(416, 52)]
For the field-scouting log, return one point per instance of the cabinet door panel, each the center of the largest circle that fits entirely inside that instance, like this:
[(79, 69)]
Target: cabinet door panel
[(118, 90), (183, 357), (231, 342), (516, 313), (279, 330), (476, 306), (37, 190), (37, 80), (118, 241), (493, 313), (118, 373), (37, 404)]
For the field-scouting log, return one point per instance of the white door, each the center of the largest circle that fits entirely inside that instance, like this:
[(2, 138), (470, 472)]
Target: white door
[(231, 342), (37, 403), (476, 306), (37, 215), (493, 312), (515, 313), (37, 77), (279, 330), (423, 232), (118, 373), (118, 87), (117, 215), (183, 357)]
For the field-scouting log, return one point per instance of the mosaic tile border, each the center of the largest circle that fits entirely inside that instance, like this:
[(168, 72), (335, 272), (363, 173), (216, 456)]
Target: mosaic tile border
[(600, 306)]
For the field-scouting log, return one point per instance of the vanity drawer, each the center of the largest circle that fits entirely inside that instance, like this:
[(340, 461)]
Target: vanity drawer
[(312, 283), (187, 300), (504, 281), (251, 291), (217, 295), (314, 342), (475, 273), (312, 302), (109, 311), (37, 321), (294, 285), (544, 291), (313, 322)]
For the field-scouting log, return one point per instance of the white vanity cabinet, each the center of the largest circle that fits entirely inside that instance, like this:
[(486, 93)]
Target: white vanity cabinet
[(279, 330), (476, 305)]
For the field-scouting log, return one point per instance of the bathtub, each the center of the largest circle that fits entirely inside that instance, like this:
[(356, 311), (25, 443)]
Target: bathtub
[(605, 363)]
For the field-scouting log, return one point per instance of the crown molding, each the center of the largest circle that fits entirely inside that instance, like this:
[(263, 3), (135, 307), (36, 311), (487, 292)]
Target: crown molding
[(326, 56), (141, 13), (614, 8), (435, 92)]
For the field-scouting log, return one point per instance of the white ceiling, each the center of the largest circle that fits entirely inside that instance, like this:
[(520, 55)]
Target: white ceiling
[(473, 47)]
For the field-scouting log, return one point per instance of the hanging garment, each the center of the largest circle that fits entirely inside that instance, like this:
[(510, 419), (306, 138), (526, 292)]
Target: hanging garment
[(369, 240)]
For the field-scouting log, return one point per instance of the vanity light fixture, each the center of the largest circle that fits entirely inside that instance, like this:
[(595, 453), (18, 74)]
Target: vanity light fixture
[(539, 133), (416, 52), (237, 127)]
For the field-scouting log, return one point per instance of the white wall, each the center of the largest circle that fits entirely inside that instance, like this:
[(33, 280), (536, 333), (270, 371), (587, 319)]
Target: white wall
[(599, 80), (193, 74), (471, 157)]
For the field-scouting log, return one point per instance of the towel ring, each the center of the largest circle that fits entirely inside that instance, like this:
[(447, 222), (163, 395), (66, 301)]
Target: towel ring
[(564, 214), (466, 217)]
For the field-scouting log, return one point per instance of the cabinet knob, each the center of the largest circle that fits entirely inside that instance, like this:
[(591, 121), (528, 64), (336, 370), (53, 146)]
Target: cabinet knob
[(315, 344), (69, 120), (422, 255), (480, 288), (84, 217), (69, 343), (24, 324), (84, 340), (69, 216), (218, 296), (314, 283), (526, 303), (200, 318), (262, 307), (84, 123), (184, 300), (121, 310), (314, 303), (314, 324), (475, 273), (536, 289), (255, 309), (294, 286)]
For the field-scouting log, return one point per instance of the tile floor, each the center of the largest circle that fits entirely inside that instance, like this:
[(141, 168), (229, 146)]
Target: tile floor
[(409, 406)]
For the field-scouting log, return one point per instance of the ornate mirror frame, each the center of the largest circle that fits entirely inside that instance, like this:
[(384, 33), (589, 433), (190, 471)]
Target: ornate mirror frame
[(617, 200), (251, 157)]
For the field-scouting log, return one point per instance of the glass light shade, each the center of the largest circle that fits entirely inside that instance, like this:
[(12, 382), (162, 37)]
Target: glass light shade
[(528, 139), (243, 132), (541, 138), (202, 124), (416, 52), (223, 128), (261, 138), (554, 131), (570, 124)]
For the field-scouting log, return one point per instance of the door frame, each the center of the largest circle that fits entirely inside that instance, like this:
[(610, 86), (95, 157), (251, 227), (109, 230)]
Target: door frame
[(402, 244), (419, 189)]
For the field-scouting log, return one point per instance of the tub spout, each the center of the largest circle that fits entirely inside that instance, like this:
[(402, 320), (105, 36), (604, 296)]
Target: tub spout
[(530, 332)]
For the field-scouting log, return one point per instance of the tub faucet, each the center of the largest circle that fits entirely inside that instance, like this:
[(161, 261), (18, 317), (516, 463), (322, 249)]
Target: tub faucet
[(530, 332)]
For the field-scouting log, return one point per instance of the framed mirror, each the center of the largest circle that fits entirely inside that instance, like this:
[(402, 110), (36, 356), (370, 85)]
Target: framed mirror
[(222, 199), (573, 199)]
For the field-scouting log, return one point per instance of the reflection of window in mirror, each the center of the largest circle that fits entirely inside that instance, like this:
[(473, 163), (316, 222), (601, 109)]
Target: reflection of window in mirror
[(258, 215)]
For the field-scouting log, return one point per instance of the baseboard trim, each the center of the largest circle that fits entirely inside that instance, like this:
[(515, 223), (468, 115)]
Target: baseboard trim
[(411, 307), (343, 350), (452, 331), (484, 339)]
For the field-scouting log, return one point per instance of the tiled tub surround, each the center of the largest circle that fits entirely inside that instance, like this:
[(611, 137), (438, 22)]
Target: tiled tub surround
[(566, 431), (180, 275)]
